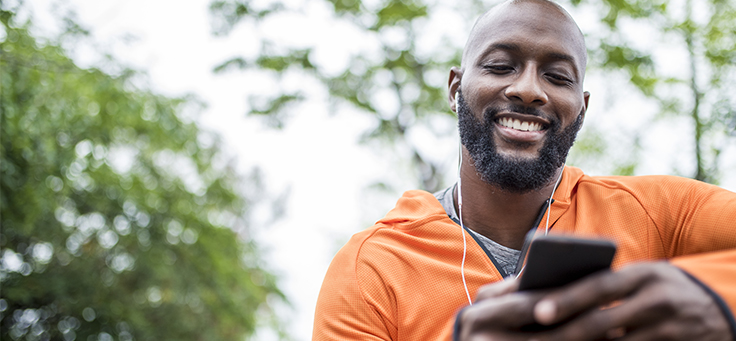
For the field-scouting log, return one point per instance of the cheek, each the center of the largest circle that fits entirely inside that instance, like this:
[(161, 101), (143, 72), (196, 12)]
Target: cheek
[(480, 91), (569, 108)]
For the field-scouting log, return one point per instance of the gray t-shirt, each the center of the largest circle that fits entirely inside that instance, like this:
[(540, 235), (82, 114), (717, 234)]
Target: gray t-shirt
[(506, 257)]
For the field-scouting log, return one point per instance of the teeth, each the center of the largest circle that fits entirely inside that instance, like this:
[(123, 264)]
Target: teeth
[(518, 125)]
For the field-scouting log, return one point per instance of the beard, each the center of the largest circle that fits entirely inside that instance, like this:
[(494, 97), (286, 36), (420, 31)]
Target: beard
[(509, 173)]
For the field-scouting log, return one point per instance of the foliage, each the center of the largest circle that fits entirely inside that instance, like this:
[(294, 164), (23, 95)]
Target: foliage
[(403, 68), (119, 216), (703, 89), (398, 70)]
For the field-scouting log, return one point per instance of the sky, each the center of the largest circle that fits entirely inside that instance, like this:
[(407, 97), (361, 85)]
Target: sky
[(316, 159)]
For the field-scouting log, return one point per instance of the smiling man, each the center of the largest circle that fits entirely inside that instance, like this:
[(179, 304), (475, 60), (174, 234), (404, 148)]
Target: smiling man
[(434, 266)]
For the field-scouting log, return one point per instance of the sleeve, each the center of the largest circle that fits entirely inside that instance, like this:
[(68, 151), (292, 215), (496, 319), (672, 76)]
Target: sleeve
[(694, 217), (342, 311), (698, 268), (698, 226)]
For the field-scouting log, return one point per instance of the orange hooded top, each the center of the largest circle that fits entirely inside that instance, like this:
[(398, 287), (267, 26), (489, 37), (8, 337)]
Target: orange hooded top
[(401, 280)]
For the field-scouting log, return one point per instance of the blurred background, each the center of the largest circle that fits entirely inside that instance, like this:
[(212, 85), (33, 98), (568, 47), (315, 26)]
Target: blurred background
[(187, 169)]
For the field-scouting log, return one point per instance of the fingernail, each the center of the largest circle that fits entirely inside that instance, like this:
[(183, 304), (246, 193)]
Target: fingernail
[(545, 311)]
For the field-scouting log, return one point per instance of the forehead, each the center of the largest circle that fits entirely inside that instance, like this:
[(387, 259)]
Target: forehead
[(533, 27)]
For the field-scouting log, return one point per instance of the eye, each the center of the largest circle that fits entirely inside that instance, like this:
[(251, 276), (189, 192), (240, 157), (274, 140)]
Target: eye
[(499, 69), (559, 79)]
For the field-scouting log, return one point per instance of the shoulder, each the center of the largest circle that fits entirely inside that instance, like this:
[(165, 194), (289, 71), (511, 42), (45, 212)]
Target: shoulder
[(650, 186), (576, 179), (658, 195), (417, 218), (376, 263), (399, 276)]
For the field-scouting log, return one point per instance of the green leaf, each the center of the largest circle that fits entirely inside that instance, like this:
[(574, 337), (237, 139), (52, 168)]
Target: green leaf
[(114, 214)]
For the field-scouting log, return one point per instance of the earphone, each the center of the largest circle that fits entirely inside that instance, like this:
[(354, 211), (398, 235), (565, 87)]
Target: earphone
[(460, 216), (549, 202), (462, 226), (457, 95)]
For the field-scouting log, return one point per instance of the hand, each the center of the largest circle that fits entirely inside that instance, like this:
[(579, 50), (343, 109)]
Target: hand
[(499, 312), (654, 301), (657, 301)]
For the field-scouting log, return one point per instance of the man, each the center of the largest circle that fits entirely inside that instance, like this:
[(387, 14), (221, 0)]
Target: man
[(520, 104)]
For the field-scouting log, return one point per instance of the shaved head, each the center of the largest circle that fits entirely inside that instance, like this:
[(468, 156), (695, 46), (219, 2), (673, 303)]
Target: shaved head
[(493, 20), (519, 93)]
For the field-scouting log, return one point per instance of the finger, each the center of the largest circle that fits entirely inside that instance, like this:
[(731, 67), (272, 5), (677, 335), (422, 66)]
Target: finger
[(595, 290), (504, 312), (501, 335), (646, 308), (662, 331), (659, 332), (497, 289), (590, 326), (674, 331)]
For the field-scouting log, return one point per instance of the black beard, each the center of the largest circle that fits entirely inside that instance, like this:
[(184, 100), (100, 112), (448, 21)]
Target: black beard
[(514, 174)]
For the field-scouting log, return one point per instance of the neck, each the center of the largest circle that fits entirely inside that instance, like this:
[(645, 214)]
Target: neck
[(502, 216)]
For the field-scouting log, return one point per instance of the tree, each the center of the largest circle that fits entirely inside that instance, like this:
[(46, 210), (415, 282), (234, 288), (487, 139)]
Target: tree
[(407, 59), (704, 34), (120, 217), (396, 80)]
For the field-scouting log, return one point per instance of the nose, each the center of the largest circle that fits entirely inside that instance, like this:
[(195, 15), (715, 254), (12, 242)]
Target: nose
[(526, 87)]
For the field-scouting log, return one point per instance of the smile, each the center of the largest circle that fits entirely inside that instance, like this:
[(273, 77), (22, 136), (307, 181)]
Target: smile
[(519, 124)]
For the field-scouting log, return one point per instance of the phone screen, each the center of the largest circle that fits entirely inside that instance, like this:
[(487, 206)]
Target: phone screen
[(554, 260)]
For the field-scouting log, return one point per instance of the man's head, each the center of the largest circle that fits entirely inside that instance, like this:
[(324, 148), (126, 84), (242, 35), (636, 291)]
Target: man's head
[(519, 93)]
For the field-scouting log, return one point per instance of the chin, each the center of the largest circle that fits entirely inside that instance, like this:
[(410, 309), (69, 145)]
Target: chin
[(517, 155)]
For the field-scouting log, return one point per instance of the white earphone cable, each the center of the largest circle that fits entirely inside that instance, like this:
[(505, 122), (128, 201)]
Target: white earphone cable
[(549, 202), (462, 227)]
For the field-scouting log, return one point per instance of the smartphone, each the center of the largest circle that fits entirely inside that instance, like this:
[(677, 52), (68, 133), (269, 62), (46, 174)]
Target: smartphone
[(554, 260)]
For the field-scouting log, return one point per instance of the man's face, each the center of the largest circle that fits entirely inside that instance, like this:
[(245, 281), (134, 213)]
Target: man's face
[(522, 82), (510, 173)]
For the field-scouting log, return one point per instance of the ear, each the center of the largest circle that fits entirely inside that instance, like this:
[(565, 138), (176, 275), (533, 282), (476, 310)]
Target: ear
[(453, 85), (586, 97)]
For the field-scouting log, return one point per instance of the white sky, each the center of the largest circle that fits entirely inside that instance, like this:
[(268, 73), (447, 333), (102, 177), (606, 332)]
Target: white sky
[(317, 156)]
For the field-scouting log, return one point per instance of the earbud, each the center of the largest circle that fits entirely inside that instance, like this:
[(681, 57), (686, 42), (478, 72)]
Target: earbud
[(457, 96)]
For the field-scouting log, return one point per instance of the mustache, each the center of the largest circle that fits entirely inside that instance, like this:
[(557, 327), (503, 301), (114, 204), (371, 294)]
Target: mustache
[(493, 111)]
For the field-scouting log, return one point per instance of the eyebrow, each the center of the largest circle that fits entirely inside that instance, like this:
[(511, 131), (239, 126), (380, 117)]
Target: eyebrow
[(502, 46), (561, 56)]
